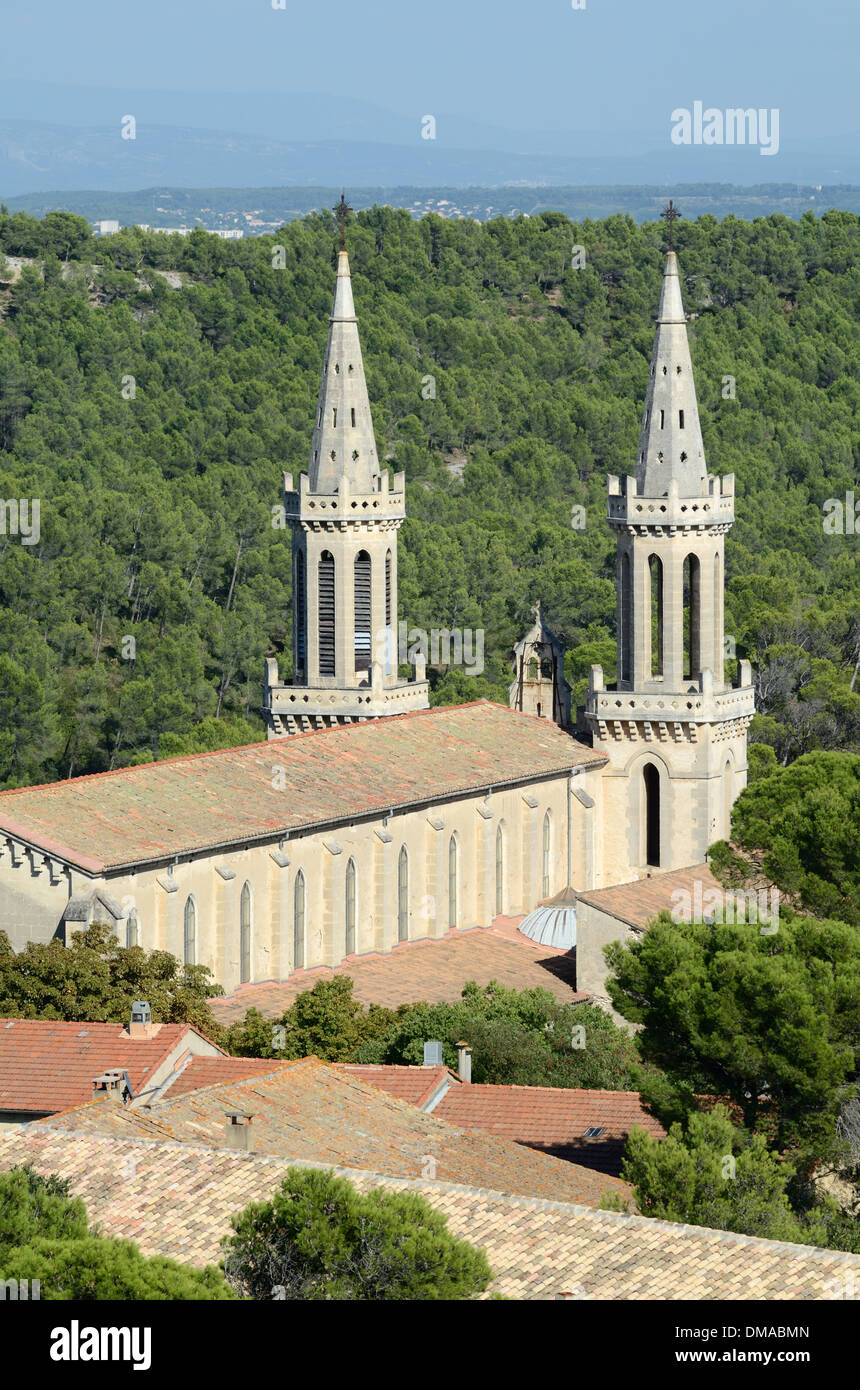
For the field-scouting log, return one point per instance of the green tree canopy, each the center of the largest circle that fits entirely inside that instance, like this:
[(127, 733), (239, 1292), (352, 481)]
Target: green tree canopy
[(712, 1173), (770, 1022), (44, 1236), (95, 979), (318, 1238), (325, 1022), (802, 824)]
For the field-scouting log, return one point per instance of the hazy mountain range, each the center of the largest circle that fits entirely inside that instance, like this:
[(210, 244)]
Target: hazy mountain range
[(63, 137)]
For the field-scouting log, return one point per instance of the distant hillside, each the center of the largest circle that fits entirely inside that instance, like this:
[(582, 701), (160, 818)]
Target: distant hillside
[(154, 389), (260, 210)]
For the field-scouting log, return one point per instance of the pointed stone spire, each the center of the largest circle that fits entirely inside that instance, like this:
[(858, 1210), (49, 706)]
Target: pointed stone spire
[(344, 447), (670, 446)]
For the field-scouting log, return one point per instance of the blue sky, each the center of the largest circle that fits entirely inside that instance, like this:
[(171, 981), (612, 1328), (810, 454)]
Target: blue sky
[(619, 66)]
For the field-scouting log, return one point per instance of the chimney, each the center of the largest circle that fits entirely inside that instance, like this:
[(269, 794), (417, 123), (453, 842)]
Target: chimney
[(237, 1130), (113, 1084), (140, 1024), (464, 1061), (432, 1054)]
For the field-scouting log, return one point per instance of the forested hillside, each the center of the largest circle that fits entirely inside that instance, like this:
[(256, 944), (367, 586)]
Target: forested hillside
[(153, 417)]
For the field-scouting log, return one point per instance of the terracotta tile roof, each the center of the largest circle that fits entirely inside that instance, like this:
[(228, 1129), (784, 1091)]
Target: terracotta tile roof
[(431, 970), (416, 1085), (310, 1110), (209, 1071), (151, 812), (637, 903), (552, 1119), (177, 1200), (47, 1066)]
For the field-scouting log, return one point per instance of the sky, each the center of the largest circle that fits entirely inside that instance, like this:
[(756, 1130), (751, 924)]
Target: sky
[(527, 66)]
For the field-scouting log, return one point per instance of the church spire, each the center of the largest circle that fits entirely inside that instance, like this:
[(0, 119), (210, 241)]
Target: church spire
[(670, 446), (344, 446)]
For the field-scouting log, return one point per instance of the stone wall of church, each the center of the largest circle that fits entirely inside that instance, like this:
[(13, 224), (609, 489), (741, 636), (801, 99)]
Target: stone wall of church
[(699, 782), (439, 892)]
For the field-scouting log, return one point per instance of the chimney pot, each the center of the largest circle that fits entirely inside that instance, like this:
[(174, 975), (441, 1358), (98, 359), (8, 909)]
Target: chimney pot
[(433, 1054), (140, 1023), (464, 1061), (238, 1132), (113, 1084)]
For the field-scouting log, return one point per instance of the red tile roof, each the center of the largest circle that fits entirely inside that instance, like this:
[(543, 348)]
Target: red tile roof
[(432, 970), (47, 1066), (210, 800), (314, 1111), (176, 1200), (211, 1071), (637, 903), (552, 1119), (417, 1085)]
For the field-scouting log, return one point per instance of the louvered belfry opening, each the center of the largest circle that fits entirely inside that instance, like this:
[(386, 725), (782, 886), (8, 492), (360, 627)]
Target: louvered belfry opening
[(388, 588), (362, 611), (326, 614), (301, 615)]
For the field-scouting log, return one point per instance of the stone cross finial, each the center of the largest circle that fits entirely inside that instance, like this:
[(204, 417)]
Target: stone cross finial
[(341, 211), (671, 215)]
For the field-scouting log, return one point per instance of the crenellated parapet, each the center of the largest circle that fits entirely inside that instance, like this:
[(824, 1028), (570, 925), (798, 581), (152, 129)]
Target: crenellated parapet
[(634, 514)]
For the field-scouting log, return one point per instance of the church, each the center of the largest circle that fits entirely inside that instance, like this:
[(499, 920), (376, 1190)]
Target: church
[(368, 818)]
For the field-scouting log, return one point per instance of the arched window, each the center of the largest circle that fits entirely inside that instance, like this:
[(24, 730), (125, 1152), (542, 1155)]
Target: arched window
[(727, 800), (326, 613), (299, 922), (626, 618), (301, 613), (655, 572), (547, 835), (692, 619), (190, 932), (652, 814), (362, 611), (132, 929), (403, 896), (500, 871), (350, 907), (452, 881), (245, 935)]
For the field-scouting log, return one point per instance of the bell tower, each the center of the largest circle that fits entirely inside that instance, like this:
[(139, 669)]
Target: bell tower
[(673, 729), (344, 518)]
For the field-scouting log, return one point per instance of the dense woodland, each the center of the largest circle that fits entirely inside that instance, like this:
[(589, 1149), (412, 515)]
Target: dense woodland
[(156, 510)]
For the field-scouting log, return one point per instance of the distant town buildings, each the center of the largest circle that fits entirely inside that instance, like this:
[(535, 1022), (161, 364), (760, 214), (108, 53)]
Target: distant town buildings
[(109, 226), (225, 233)]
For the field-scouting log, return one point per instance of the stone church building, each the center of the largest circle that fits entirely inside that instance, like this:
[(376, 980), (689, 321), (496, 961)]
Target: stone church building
[(368, 818)]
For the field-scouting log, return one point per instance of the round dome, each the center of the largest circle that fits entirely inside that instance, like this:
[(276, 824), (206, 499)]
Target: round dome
[(554, 922)]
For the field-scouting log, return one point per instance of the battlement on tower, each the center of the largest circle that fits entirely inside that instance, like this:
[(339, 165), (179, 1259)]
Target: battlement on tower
[(344, 507), (631, 511)]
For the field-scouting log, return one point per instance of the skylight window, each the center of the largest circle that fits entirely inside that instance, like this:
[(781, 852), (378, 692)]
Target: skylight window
[(594, 1132)]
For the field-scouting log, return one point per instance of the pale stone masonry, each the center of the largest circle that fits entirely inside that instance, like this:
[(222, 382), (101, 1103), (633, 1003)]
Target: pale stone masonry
[(262, 860), (344, 518), (539, 686), (358, 832), (673, 730)]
